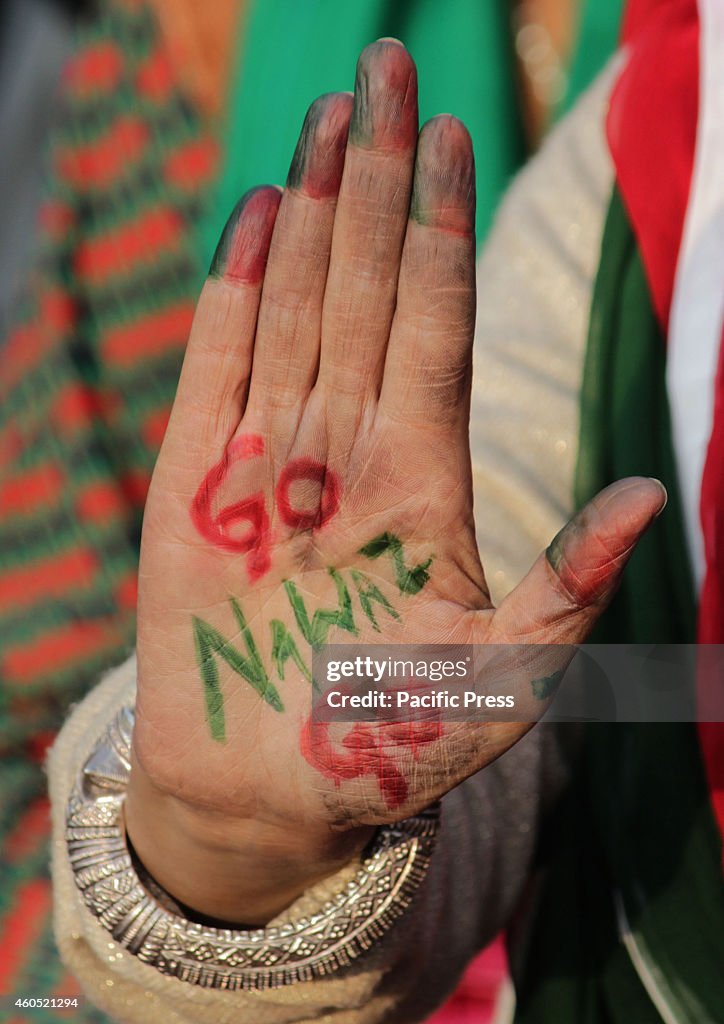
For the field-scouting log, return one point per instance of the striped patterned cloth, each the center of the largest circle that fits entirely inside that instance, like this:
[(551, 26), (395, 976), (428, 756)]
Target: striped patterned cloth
[(87, 377)]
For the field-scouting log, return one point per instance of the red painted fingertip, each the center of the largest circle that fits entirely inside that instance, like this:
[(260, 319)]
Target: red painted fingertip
[(385, 97), (243, 249), (443, 194), (316, 169)]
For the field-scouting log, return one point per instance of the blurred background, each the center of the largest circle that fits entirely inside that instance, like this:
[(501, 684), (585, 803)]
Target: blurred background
[(128, 129)]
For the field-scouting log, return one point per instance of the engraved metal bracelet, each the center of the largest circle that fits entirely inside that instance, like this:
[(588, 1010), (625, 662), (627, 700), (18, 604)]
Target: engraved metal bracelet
[(146, 922)]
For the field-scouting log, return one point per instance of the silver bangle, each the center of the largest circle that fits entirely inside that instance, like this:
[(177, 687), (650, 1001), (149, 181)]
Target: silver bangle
[(147, 923)]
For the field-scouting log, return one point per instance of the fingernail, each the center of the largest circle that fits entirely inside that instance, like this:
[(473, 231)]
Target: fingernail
[(385, 97), (555, 552), (563, 553), (601, 537), (664, 495), (316, 167), (243, 248), (443, 191)]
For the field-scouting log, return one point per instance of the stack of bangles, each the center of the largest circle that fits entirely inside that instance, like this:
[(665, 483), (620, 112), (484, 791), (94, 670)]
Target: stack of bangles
[(150, 924)]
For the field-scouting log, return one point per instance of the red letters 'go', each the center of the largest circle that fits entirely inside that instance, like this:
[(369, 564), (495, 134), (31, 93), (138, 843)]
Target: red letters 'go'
[(216, 526)]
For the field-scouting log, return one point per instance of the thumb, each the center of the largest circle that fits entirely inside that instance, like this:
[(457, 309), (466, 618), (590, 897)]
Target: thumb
[(571, 584)]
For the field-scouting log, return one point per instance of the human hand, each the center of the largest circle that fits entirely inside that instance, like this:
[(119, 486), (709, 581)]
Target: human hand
[(314, 485)]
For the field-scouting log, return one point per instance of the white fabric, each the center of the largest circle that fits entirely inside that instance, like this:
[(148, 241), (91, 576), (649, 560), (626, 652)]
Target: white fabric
[(535, 283), (695, 327)]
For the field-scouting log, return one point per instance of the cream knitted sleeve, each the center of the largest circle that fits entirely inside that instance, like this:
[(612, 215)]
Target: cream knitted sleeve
[(535, 281)]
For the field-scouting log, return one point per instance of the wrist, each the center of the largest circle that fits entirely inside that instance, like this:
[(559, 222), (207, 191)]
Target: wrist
[(235, 870), (331, 930)]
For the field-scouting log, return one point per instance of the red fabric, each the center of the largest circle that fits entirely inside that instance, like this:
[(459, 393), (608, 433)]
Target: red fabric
[(474, 1000), (651, 128), (711, 607), (637, 14), (651, 131)]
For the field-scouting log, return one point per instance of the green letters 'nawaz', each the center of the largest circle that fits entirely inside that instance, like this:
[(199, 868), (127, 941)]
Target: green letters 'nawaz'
[(409, 581), (368, 592), (284, 647), (315, 631), (209, 644)]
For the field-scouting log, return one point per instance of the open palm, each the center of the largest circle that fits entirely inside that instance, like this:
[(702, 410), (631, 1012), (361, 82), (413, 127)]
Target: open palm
[(315, 482)]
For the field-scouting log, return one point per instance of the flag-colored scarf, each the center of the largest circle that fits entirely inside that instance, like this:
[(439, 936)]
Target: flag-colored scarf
[(630, 921), (667, 142)]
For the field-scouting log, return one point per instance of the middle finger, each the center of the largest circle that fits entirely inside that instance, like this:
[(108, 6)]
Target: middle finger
[(369, 230)]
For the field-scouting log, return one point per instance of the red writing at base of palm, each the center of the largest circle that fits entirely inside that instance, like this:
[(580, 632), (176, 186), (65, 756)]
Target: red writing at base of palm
[(367, 749)]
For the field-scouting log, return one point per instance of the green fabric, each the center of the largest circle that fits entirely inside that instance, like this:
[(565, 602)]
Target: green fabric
[(292, 52), (625, 431), (598, 32), (637, 819)]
